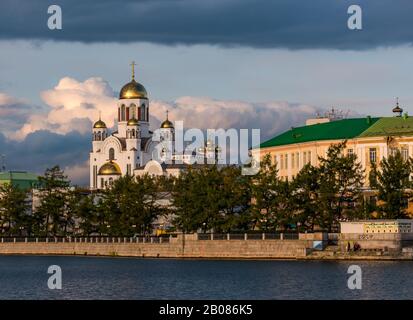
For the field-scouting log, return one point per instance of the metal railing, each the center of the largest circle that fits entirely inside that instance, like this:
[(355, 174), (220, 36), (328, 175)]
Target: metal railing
[(152, 239), (247, 236), (148, 239)]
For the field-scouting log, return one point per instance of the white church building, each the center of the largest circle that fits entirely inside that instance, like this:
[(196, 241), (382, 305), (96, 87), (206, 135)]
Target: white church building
[(129, 149)]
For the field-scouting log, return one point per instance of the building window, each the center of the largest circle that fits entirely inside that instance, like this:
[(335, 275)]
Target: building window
[(275, 160), (128, 169), (350, 152), (304, 157), (405, 154), (309, 157), (282, 162), (111, 154), (286, 161), (372, 155), (102, 183), (122, 113), (297, 160), (292, 160)]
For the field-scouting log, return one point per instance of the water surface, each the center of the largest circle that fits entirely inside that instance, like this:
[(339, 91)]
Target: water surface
[(25, 277)]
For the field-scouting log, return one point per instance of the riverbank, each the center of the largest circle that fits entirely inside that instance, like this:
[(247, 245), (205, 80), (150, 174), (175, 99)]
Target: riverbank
[(190, 246)]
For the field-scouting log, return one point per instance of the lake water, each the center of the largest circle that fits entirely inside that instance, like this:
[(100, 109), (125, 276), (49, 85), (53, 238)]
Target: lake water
[(25, 277)]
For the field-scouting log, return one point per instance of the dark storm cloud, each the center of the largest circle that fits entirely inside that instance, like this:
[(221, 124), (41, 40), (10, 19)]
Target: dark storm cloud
[(290, 24), (44, 149), (15, 112)]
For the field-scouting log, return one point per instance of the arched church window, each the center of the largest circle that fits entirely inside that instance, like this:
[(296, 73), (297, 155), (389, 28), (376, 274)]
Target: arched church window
[(111, 154), (143, 112), (98, 138), (132, 111), (122, 113), (133, 133)]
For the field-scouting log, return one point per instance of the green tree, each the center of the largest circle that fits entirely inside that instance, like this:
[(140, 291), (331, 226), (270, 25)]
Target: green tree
[(195, 198), (211, 198), (271, 198), (235, 200), (51, 214), (131, 205), (341, 178), (305, 198), (393, 184), (82, 212), (14, 211)]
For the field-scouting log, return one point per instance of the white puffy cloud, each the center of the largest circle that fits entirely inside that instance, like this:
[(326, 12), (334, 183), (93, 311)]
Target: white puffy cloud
[(74, 105), (207, 113)]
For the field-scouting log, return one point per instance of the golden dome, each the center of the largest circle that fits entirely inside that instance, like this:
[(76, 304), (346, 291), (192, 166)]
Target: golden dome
[(167, 124), (133, 122), (133, 90), (109, 168), (99, 125)]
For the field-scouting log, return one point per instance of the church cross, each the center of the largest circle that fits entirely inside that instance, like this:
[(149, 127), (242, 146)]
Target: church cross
[(133, 64)]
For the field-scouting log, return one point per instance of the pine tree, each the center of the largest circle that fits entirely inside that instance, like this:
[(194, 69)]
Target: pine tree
[(271, 198), (305, 198), (393, 184), (51, 215), (341, 179), (131, 205), (14, 211)]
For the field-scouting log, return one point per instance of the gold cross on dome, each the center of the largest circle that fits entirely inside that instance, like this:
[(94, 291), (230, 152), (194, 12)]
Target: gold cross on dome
[(133, 64)]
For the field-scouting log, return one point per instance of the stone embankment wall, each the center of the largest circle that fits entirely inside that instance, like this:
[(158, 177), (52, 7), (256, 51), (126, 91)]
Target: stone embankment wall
[(377, 246), (187, 246)]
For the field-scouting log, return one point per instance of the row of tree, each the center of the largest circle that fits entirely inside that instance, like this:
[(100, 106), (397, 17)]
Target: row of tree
[(211, 199)]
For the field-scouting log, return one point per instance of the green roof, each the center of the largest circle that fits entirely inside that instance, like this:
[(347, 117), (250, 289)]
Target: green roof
[(22, 179), (390, 126), (334, 130)]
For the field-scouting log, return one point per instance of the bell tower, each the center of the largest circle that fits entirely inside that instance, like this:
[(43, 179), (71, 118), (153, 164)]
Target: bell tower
[(133, 103)]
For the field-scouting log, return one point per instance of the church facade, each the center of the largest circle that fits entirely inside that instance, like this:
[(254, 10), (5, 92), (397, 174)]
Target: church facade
[(129, 150)]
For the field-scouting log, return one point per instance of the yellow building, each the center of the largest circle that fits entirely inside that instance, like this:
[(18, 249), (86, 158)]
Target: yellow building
[(370, 139)]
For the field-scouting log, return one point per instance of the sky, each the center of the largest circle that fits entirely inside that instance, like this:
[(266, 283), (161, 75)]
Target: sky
[(214, 64)]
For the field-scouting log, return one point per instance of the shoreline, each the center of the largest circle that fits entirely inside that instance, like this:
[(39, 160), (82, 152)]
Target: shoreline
[(306, 247), (337, 259)]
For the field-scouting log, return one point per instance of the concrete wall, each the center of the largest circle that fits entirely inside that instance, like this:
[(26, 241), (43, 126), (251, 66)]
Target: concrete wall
[(391, 241), (180, 247), (377, 226)]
